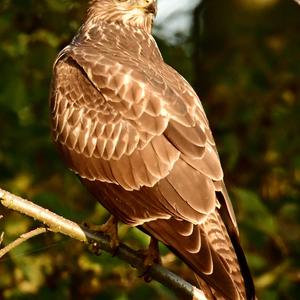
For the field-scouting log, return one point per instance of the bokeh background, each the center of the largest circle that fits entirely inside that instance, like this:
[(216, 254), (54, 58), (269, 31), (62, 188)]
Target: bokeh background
[(243, 59)]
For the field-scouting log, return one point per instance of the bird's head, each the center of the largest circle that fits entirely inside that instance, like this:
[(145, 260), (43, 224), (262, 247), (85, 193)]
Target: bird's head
[(139, 13)]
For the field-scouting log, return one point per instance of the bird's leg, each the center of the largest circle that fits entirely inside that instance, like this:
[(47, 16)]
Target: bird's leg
[(152, 256), (152, 253), (109, 228)]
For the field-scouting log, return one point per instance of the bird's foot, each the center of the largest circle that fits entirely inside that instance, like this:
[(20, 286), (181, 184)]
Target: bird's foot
[(110, 228), (152, 257)]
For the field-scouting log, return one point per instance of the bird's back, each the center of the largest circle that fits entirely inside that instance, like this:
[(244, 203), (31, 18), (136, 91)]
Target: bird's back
[(136, 133)]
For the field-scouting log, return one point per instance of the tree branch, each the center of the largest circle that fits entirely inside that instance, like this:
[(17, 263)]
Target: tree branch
[(298, 1), (23, 238), (56, 223)]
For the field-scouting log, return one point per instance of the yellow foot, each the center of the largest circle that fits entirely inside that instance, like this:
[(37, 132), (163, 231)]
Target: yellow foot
[(151, 257), (110, 228)]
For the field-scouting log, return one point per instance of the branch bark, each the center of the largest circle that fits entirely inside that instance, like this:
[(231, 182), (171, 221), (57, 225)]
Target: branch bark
[(56, 223)]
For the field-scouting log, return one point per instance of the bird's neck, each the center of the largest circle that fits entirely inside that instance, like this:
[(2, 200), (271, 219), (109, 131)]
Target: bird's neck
[(107, 37), (98, 15), (145, 26)]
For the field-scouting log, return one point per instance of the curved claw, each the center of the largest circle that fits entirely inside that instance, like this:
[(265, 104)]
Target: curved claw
[(95, 249), (109, 228)]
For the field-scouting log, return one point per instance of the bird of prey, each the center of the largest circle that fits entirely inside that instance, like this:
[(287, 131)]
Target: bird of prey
[(135, 132)]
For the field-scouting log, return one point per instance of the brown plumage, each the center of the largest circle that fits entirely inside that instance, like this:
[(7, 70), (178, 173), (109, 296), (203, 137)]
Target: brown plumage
[(136, 133)]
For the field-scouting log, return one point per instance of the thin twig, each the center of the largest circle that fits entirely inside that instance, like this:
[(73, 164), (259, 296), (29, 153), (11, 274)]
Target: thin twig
[(1, 234), (59, 224), (23, 238), (1, 238)]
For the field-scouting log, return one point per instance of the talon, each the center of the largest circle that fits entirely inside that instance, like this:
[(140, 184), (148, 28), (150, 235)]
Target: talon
[(94, 248), (85, 225), (110, 228), (147, 277)]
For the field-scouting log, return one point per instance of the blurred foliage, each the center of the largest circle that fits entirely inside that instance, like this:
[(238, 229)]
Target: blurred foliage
[(243, 58)]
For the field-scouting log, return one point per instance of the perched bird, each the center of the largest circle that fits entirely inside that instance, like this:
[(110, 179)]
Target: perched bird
[(135, 132)]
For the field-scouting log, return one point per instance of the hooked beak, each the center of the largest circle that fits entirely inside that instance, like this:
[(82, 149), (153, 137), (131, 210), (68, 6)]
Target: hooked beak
[(151, 8)]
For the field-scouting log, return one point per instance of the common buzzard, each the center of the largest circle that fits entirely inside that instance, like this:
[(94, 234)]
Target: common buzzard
[(136, 133)]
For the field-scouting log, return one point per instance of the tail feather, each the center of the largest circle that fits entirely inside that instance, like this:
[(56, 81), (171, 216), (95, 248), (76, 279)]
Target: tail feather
[(216, 264)]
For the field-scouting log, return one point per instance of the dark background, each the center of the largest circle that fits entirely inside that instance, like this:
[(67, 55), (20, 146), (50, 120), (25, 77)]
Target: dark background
[(243, 59)]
